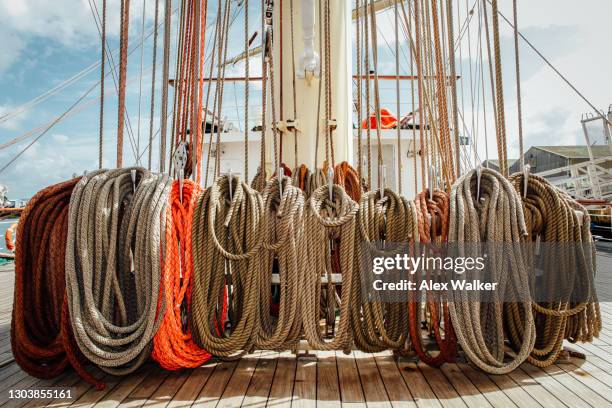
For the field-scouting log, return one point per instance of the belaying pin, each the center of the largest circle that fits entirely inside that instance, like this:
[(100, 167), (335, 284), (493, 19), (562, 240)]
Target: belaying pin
[(526, 170), (279, 175), (330, 183), (133, 179), (231, 182), (382, 169), (478, 177)]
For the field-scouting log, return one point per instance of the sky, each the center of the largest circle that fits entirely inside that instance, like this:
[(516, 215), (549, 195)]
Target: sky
[(44, 43)]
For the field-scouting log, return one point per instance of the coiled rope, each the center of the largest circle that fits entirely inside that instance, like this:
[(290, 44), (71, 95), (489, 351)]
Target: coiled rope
[(113, 302), (307, 180), (379, 325), (346, 176), (433, 212), (497, 220), (173, 345), (284, 235), (550, 215), (226, 239), (330, 222), (41, 336)]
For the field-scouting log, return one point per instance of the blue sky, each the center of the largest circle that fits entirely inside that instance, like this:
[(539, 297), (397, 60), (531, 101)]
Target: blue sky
[(44, 43)]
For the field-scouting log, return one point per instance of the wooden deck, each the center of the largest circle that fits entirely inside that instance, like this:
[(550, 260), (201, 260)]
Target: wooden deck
[(280, 380)]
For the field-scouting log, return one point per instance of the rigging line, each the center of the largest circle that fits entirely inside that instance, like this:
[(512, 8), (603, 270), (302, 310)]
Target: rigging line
[(414, 140), (40, 128), (471, 87), (563, 77), (165, 84), (57, 120), (518, 86), (153, 81), (97, 20), (397, 99), (178, 71), (247, 73), (102, 66), (374, 29), (157, 132), (482, 80), (142, 26), (78, 106), (453, 73), (208, 90), (238, 114), (53, 91), (125, 13)]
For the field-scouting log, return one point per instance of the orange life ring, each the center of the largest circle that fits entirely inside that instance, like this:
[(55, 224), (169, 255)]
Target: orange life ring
[(9, 237)]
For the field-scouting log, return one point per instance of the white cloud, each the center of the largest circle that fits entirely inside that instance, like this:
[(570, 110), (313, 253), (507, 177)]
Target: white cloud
[(68, 23), (59, 138)]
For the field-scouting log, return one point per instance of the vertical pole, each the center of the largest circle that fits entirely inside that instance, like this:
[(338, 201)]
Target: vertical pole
[(307, 85)]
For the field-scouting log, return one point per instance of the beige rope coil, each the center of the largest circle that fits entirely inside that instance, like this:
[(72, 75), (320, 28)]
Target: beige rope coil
[(227, 239), (307, 180), (284, 236), (329, 222), (113, 265), (497, 221), (551, 216), (381, 325)]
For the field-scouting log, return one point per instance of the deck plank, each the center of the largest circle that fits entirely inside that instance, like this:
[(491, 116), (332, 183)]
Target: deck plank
[(259, 389), (494, 395), (419, 387), (215, 386), (281, 390), (351, 392), (398, 392), (305, 385), (239, 383), (192, 386), (356, 380), (371, 381), (328, 388)]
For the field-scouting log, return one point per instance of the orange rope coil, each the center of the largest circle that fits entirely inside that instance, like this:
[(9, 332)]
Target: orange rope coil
[(173, 345)]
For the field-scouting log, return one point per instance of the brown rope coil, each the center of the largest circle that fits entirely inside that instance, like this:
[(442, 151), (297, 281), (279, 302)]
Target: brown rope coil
[(552, 218), (496, 220), (378, 325), (330, 223), (227, 239), (284, 236), (433, 212), (41, 336)]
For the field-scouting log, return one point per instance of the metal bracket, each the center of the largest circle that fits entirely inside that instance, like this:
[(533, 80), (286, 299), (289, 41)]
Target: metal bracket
[(332, 124), (288, 125), (179, 160)]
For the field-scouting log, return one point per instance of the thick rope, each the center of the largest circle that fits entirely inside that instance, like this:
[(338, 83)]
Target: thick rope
[(153, 78), (552, 218), (497, 221), (329, 223), (284, 237), (378, 325), (125, 20), (102, 76), (433, 215), (227, 240), (173, 345), (41, 336), (114, 304)]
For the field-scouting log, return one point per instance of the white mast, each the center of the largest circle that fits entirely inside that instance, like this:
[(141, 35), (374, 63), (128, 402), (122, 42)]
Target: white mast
[(306, 43)]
